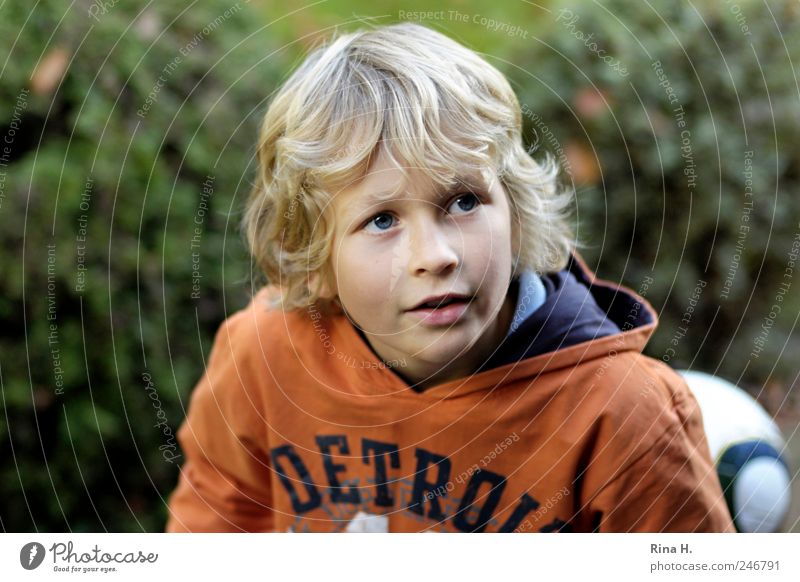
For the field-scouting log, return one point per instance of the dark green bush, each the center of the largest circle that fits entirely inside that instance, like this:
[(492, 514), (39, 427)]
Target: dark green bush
[(647, 211), (114, 187)]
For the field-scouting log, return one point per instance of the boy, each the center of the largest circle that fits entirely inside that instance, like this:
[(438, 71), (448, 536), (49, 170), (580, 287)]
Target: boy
[(431, 356)]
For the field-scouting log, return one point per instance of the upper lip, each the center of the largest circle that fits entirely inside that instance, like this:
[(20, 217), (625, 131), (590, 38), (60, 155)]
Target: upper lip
[(440, 299)]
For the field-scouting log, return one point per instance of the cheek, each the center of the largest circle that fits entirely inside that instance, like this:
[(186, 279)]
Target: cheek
[(490, 251), (363, 276)]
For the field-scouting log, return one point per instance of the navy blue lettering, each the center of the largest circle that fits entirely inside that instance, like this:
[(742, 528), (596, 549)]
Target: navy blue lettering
[(438, 487), (383, 496), (337, 490), (497, 484), (524, 507), (314, 498), (556, 525)]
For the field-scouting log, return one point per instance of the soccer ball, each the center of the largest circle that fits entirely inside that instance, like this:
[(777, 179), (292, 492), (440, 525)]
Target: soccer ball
[(748, 451)]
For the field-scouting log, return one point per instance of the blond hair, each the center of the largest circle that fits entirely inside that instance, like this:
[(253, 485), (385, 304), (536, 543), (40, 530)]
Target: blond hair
[(421, 97)]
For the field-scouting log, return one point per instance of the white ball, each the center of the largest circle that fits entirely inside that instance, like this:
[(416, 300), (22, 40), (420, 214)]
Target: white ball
[(747, 448)]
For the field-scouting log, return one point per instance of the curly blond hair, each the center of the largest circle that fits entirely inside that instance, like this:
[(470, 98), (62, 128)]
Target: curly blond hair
[(423, 98)]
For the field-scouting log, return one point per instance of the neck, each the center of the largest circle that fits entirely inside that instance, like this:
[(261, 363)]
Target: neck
[(471, 360)]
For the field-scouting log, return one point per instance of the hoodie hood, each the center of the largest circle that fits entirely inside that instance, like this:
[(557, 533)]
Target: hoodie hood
[(572, 311), (581, 318)]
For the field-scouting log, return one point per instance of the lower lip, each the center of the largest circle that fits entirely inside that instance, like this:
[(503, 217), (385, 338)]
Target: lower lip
[(442, 315)]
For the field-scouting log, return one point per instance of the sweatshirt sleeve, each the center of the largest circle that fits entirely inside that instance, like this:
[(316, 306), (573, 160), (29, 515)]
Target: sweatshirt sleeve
[(672, 486), (224, 483)]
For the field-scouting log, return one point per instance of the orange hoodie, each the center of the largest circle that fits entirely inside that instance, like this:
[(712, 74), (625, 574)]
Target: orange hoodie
[(298, 426)]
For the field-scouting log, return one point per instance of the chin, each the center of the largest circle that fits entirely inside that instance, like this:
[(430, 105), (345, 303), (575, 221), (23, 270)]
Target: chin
[(443, 352)]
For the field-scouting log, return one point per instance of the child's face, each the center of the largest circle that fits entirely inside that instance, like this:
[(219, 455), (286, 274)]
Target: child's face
[(390, 256)]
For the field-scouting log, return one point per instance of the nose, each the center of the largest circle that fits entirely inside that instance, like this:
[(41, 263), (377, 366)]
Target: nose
[(430, 249)]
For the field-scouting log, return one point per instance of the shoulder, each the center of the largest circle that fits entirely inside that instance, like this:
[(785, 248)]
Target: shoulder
[(260, 326), (638, 402), (647, 466), (247, 345), (253, 348), (639, 417)]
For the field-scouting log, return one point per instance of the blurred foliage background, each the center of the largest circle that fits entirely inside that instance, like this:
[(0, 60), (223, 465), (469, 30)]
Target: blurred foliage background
[(127, 135)]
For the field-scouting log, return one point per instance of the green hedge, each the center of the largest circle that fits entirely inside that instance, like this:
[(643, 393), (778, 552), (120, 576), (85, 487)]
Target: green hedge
[(662, 114), (149, 137)]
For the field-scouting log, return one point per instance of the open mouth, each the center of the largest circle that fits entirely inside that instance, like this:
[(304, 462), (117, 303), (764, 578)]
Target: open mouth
[(442, 311), (443, 302)]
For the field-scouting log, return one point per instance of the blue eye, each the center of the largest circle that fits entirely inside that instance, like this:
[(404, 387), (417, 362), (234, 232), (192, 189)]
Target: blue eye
[(465, 202), (381, 221)]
